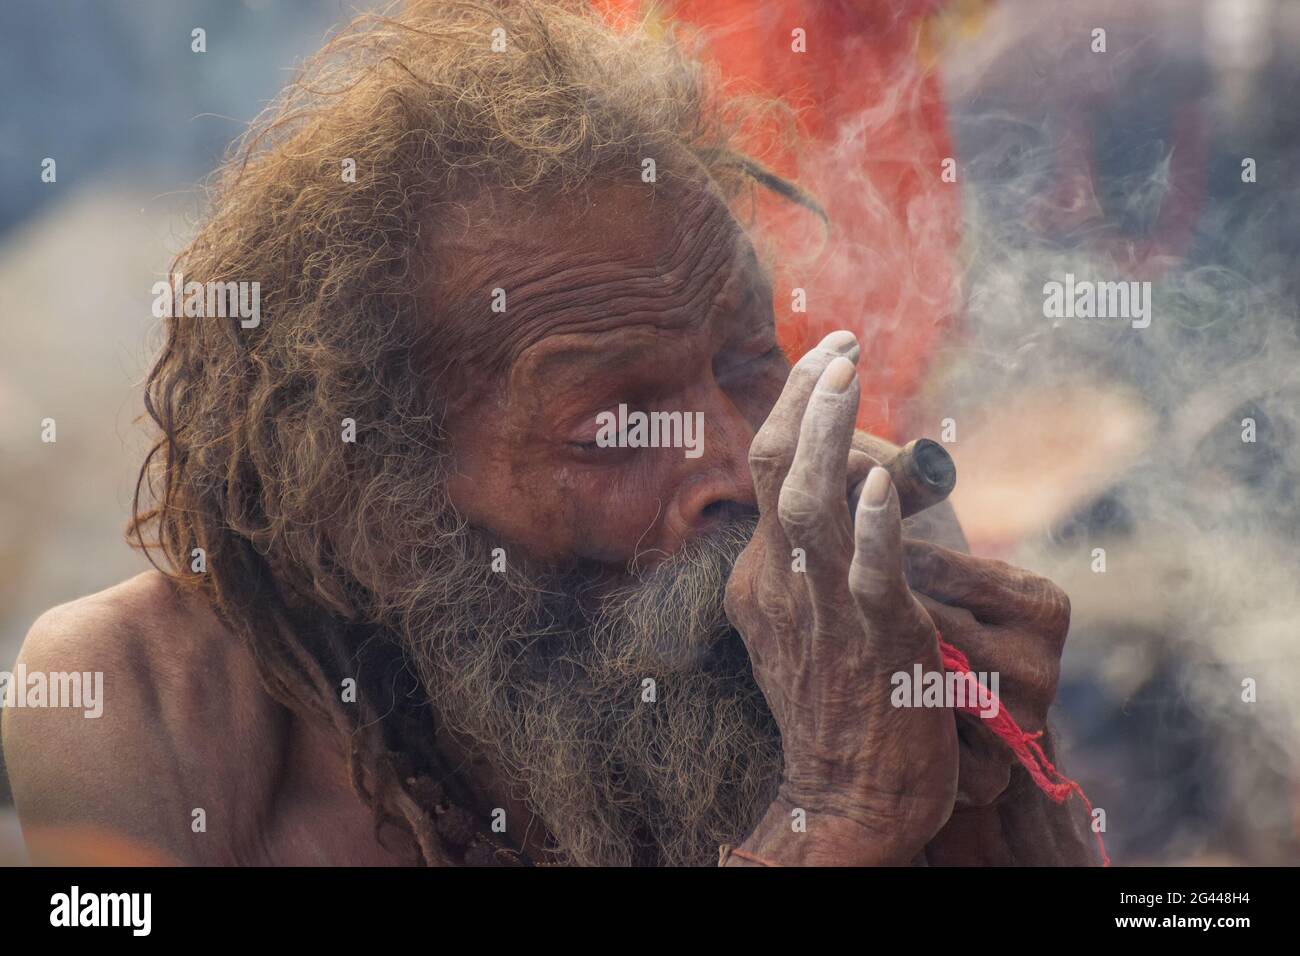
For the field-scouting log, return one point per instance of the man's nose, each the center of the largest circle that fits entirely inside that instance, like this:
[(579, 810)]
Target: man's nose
[(717, 485)]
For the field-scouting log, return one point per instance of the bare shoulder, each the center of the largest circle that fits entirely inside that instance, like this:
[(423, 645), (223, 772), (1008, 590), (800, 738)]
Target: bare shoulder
[(151, 735)]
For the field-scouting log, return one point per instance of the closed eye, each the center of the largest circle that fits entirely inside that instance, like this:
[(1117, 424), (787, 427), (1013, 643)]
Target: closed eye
[(739, 370)]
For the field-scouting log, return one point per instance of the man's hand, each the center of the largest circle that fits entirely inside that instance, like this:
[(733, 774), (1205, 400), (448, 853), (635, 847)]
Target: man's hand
[(1006, 621), (1012, 622), (821, 600)]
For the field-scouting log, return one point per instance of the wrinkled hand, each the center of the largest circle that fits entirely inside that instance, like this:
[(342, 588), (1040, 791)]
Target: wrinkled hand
[(1014, 623), (1006, 621), (825, 641)]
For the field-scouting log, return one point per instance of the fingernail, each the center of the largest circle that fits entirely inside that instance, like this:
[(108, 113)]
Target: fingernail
[(876, 490), (837, 376), (841, 341)]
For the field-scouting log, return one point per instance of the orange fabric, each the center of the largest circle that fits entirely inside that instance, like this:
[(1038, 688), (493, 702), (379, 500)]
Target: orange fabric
[(872, 138)]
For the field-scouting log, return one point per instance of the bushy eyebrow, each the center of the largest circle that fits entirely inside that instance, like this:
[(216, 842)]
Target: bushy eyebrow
[(577, 369)]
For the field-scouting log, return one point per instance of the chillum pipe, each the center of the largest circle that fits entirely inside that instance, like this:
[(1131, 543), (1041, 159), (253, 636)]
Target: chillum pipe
[(923, 473)]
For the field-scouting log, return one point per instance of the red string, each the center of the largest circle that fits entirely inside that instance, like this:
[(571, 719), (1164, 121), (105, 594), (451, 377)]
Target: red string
[(1024, 745)]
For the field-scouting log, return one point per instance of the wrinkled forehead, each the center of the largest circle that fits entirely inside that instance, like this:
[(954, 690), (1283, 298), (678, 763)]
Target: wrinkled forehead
[(512, 270)]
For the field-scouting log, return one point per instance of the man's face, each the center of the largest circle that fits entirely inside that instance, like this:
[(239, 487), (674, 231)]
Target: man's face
[(542, 670), (655, 301)]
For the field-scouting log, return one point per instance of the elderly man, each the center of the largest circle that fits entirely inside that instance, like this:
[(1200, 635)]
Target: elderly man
[(419, 606)]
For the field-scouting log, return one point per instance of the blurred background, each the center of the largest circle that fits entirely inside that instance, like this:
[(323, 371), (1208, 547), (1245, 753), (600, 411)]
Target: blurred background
[(1070, 435)]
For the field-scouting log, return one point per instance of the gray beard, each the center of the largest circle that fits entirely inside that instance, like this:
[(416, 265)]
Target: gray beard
[(630, 725)]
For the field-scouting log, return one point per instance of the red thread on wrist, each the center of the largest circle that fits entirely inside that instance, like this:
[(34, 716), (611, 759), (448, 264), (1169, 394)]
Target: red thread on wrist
[(1024, 745), (753, 858), (727, 850)]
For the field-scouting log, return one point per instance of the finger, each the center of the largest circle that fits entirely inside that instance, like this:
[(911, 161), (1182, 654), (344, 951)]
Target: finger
[(897, 624), (994, 591), (951, 622), (877, 448), (984, 764), (858, 467), (984, 759), (773, 448), (811, 504), (1016, 665)]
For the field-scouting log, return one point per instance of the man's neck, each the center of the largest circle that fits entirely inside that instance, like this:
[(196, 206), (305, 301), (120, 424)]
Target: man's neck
[(524, 832)]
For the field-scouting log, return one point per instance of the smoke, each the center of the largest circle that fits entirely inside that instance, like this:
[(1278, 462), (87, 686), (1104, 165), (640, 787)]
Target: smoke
[(1148, 468), (1168, 452)]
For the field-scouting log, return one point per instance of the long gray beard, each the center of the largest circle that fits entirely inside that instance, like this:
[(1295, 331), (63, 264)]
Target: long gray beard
[(631, 726)]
